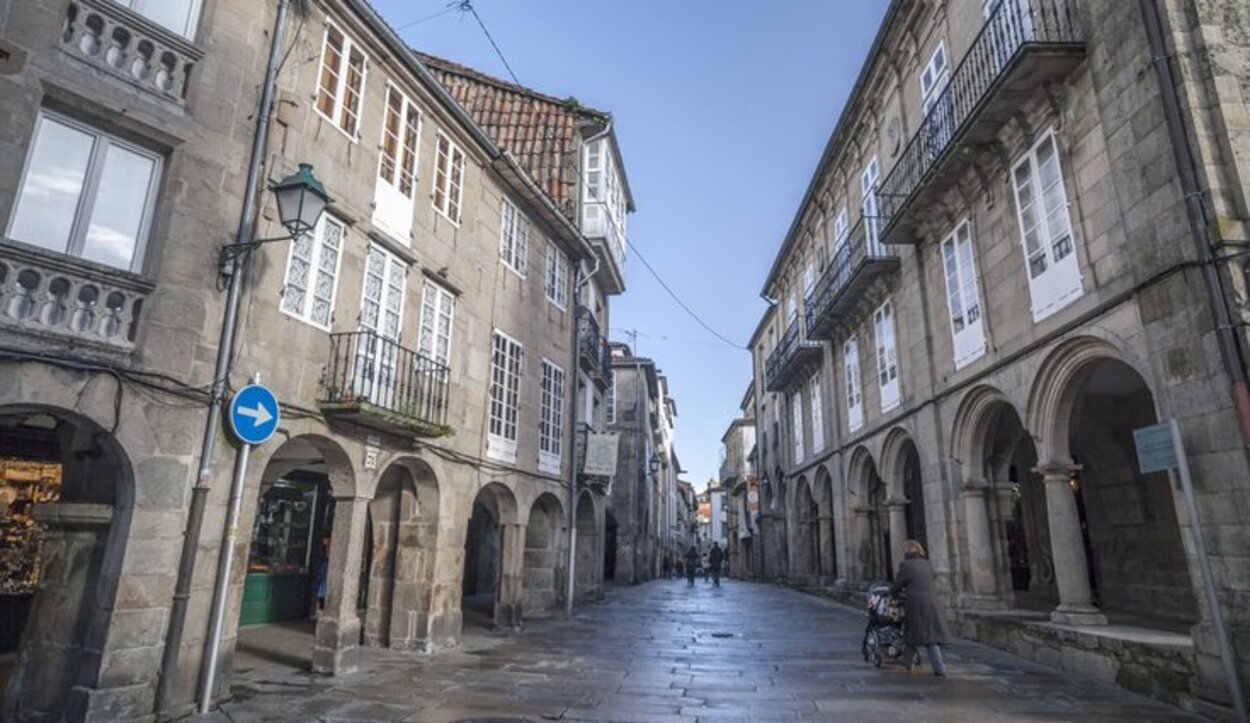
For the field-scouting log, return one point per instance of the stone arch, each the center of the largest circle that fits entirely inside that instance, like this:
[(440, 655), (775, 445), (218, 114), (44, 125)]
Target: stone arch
[(493, 559), (902, 474), (805, 529), (546, 535), (975, 416), (867, 496), (400, 555), (589, 551), (892, 449), (71, 479), (1114, 529), (305, 442)]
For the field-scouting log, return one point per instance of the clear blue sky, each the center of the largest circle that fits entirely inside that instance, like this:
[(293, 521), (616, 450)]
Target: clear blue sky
[(722, 108)]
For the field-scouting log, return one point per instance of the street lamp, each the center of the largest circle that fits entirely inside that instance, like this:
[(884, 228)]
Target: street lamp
[(655, 463), (301, 200)]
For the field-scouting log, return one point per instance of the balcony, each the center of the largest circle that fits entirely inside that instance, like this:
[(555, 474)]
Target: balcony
[(857, 263), (127, 45), (593, 354), (1024, 45), (376, 383), (792, 360), (62, 300), (608, 241)]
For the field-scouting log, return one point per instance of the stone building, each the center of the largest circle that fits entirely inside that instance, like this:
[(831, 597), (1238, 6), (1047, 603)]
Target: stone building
[(643, 512), (737, 478), (432, 340), (1021, 244)]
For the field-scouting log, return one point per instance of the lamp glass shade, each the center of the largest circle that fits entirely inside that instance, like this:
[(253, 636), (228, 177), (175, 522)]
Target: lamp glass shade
[(301, 200)]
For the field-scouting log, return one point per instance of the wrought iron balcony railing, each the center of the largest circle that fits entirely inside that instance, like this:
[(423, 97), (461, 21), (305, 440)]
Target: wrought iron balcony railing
[(377, 383), (794, 355), (858, 260), (593, 352), (1023, 44), (125, 44), (62, 298)]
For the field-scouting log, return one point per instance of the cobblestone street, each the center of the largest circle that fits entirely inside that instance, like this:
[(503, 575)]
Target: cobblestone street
[(663, 652)]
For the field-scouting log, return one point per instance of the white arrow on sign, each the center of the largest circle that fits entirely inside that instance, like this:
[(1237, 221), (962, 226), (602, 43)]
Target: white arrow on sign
[(259, 415)]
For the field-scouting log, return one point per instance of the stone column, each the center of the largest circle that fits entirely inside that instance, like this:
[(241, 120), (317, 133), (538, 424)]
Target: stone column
[(825, 541), (898, 529), (511, 576), (1068, 549), (980, 544), (337, 640), (867, 546)]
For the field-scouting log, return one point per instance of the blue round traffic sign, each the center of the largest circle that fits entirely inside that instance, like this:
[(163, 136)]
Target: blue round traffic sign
[(254, 414)]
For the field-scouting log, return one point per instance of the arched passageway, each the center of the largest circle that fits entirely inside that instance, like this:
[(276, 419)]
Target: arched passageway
[(806, 533), (588, 552), (1137, 562), (292, 583), (491, 584), (545, 533), (65, 498), (913, 494), (827, 542), (872, 527), (399, 559)]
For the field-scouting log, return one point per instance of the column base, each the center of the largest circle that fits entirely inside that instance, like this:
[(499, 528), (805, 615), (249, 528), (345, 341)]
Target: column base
[(984, 602), (1073, 615)]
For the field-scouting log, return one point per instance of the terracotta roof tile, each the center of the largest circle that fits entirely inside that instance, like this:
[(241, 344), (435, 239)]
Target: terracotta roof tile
[(542, 132)]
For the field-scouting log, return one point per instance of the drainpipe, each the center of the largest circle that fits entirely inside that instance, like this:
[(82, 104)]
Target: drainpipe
[(225, 346), (580, 280), (1230, 349)]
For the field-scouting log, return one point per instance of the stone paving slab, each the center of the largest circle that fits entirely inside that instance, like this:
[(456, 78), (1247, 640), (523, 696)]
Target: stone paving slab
[(666, 653)]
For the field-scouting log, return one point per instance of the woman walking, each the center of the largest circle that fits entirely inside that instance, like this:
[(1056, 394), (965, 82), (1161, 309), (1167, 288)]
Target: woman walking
[(924, 625)]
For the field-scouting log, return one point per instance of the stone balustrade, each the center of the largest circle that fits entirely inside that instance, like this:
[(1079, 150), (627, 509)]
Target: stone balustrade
[(129, 46), (50, 294)]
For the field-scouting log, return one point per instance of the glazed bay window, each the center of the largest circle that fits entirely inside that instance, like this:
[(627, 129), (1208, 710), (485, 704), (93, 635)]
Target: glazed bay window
[(610, 402), (180, 16), (438, 309), (557, 282), (603, 198), (312, 271), (1045, 228), (514, 234), (341, 81), (85, 193), (887, 356), (551, 423), (962, 299), (505, 394), (448, 178), (393, 198), (854, 392)]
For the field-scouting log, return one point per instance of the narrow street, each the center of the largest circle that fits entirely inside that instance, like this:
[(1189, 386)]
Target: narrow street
[(663, 652)]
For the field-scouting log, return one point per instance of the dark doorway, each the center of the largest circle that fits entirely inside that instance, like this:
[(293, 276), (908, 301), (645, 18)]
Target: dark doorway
[(482, 549), (609, 549)]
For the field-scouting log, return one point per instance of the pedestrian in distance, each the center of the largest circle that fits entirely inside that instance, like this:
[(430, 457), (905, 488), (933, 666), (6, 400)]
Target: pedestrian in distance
[(692, 563), (715, 559), (923, 626)]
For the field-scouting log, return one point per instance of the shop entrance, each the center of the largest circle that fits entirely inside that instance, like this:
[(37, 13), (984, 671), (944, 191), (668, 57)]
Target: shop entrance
[(287, 560)]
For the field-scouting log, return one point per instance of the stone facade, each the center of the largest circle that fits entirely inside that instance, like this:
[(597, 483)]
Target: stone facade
[(383, 336), (738, 479), (991, 281)]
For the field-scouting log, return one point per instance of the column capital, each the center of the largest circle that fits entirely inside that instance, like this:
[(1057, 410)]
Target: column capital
[(974, 487), (1055, 472), (897, 502), (862, 511)]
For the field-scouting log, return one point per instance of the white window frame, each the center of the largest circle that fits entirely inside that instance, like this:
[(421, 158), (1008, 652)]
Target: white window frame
[(381, 360), (871, 206), (89, 192), (841, 231), (610, 415), (963, 301), (934, 78), (1058, 283), (796, 425), (437, 302), (809, 279), (444, 178), (818, 415), (188, 29), (339, 94), (885, 333), (392, 207), (556, 280), (854, 388), (504, 397), (514, 234), (317, 250), (551, 420)]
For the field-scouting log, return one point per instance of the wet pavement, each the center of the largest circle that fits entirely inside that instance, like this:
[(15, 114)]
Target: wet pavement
[(663, 652)]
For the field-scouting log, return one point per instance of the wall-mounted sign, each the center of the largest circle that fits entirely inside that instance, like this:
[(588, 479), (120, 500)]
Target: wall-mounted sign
[(600, 455)]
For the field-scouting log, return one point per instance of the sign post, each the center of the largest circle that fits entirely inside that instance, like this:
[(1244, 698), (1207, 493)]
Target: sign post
[(1159, 448), (253, 417)]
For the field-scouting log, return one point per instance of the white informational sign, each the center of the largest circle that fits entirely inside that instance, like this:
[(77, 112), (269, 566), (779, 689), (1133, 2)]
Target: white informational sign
[(600, 455)]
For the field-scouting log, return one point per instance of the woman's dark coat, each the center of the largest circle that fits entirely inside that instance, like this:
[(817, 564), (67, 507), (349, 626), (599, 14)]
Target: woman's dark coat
[(924, 624)]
